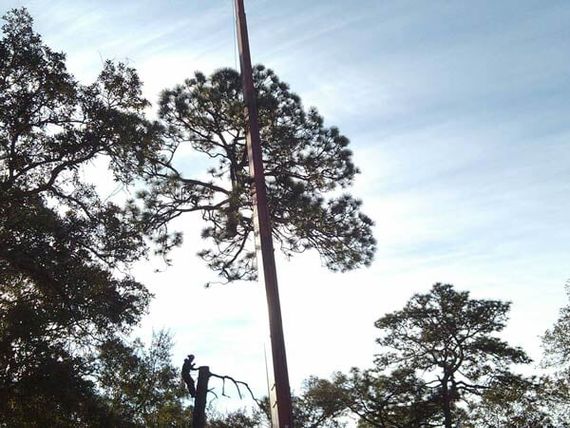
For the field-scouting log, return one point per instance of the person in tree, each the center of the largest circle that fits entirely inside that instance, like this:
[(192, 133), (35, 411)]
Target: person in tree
[(186, 367)]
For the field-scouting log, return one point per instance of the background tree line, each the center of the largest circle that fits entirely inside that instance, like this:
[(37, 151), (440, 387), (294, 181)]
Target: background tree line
[(441, 364), (67, 306)]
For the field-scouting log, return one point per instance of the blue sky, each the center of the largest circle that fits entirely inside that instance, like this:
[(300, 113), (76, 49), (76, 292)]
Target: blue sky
[(458, 116)]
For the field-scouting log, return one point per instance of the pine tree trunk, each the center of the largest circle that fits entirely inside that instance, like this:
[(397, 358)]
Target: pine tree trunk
[(446, 404)]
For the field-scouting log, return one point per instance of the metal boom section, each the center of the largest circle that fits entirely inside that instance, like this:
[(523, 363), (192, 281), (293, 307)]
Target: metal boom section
[(280, 394)]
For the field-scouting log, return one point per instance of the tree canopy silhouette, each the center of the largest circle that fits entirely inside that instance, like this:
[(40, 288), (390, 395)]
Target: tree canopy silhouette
[(62, 292), (399, 399), (140, 385), (556, 340), (66, 297), (450, 338), (306, 164)]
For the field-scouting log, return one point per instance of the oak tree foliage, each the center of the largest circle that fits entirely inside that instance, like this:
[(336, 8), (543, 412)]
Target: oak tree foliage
[(307, 167), (398, 399), (237, 418), (524, 403), (140, 384), (63, 249), (320, 404)]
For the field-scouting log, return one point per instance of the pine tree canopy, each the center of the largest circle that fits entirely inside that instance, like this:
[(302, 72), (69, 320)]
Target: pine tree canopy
[(307, 167)]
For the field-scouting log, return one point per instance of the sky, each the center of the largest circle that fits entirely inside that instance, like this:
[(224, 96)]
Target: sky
[(457, 114)]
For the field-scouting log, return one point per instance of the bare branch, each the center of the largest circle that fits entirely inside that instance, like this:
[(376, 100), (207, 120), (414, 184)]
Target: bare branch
[(237, 383)]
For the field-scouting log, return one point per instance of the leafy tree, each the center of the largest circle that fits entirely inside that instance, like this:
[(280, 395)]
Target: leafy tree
[(237, 418), (524, 403), (304, 162), (63, 248), (54, 307), (142, 386), (320, 404), (395, 400), (450, 339), (556, 341)]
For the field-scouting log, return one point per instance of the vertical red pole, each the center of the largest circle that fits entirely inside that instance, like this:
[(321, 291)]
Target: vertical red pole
[(280, 394)]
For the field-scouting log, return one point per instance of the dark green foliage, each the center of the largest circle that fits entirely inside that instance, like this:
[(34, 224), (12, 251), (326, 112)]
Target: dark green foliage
[(55, 306), (50, 124), (141, 386), (441, 365), (304, 161), (61, 247), (320, 404), (395, 400), (556, 341), (523, 403), (450, 339), (238, 418), (536, 402)]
